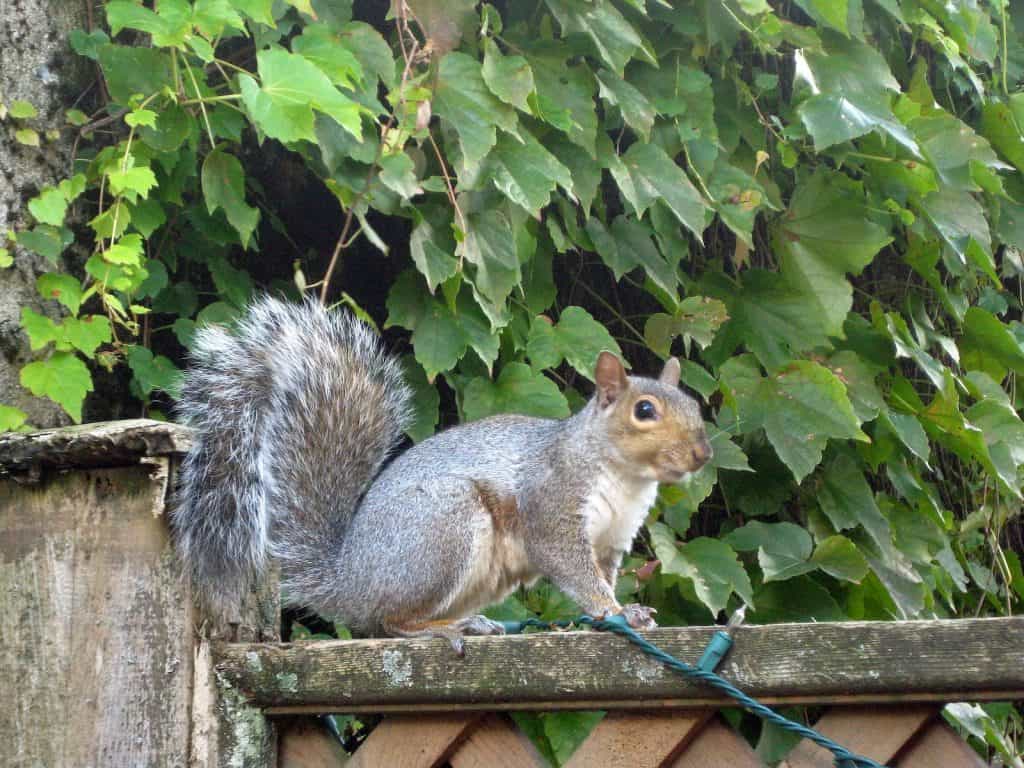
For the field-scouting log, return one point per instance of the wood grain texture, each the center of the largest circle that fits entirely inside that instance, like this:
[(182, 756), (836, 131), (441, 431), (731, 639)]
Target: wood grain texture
[(939, 745), (96, 637), (639, 739), (104, 444), (304, 742), (875, 732), (846, 662), (717, 746), (496, 742), (414, 741)]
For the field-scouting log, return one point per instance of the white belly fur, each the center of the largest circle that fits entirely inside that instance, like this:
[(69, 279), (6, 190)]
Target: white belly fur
[(498, 566), (615, 510)]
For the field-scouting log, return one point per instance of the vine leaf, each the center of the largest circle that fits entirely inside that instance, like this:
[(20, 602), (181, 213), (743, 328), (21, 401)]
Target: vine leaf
[(64, 288), (525, 171), (223, 184), (326, 48), (615, 40), (799, 407), (851, 85), (647, 174), (825, 234), (290, 88), (490, 246), (63, 378), (637, 112), (711, 564), (464, 101), (517, 389), (577, 338), (510, 78)]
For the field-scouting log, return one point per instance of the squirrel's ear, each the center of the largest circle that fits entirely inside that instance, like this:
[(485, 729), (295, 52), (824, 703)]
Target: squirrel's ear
[(670, 373), (610, 377)]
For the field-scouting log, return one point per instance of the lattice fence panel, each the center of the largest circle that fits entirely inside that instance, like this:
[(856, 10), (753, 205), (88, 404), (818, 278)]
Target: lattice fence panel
[(903, 736)]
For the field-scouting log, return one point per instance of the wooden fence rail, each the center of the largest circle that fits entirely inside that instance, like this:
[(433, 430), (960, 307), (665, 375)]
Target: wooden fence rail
[(103, 664)]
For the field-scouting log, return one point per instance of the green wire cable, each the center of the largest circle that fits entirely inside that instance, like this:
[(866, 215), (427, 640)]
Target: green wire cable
[(844, 758)]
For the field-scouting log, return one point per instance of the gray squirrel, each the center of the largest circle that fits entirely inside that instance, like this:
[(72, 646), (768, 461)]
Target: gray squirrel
[(296, 409)]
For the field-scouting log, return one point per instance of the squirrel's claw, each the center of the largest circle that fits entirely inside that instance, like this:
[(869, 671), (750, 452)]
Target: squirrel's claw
[(639, 616)]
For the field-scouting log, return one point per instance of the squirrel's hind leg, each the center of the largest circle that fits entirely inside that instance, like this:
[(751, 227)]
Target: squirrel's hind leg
[(451, 630)]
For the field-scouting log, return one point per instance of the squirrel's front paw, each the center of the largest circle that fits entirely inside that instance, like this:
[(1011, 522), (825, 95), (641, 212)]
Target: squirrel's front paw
[(639, 616)]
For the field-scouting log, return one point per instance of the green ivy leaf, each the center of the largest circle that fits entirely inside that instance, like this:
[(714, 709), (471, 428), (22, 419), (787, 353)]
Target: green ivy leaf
[(628, 246), (799, 407), (398, 174), (290, 88), (372, 52), (959, 218), (259, 11), (651, 175), (825, 234), (766, 315), (509, 77), (577, 338), (850, 82), (463, 100), (86, 334), (489, 245), (525, 171), (799, 599), (432, 247), (839, 557), (783, 549), (49, 206), (847, 500), (63, 378), (27, 136), (711, 564), (831, 13), (637, 112), (127, 251), (223, 182), (133, 180), (129, 70), (21, 110), (952, 147), (168, 30), (614, 38), (41, 330), (516, 390), (988, 345), (1002, 124), (697, 318), (425, 400), (565, 94), (438, 340), (152, 373), (326, 48), (11, 419)]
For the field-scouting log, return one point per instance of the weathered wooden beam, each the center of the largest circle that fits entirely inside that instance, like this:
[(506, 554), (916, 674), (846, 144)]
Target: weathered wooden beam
[(95, 624), (848, 662), (105, 444)]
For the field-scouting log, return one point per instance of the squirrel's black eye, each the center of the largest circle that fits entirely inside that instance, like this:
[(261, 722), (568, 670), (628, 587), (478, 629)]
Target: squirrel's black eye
[(644, 410)]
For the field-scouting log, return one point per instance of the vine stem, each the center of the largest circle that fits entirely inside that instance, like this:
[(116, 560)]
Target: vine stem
[(343, 241)]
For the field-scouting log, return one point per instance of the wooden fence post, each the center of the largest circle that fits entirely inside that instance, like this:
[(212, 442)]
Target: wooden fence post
[(100, 658)]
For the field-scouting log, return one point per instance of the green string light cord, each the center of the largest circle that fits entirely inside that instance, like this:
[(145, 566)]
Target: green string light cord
[(844, 758)]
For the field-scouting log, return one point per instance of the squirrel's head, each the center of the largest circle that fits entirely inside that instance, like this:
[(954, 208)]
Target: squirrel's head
[(657, 430)]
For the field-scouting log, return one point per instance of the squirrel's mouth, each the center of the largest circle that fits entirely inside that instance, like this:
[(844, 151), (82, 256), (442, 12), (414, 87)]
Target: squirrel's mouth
[(672, 474)]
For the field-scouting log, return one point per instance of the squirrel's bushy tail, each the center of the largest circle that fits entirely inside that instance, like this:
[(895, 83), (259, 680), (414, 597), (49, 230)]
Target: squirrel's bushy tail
[(295, 410)]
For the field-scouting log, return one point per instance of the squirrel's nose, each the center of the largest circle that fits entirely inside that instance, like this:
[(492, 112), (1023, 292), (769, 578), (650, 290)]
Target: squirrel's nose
[(701, 453)]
